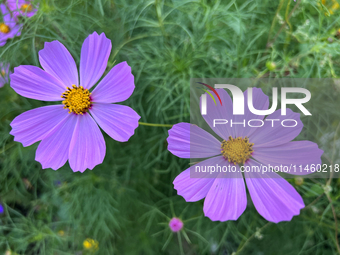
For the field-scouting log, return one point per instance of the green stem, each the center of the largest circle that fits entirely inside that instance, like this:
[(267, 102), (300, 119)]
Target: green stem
[(283, 25), (154, 125), (251, 237), (274, 20)]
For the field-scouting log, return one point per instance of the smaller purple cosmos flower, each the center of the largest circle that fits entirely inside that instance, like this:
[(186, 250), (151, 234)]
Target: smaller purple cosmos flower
[(1, 209), (175, 224), (4, 73), (21, 8), (225, 193), (8, 27)]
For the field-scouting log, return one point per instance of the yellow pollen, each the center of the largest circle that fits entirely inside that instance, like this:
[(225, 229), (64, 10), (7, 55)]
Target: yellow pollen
[(77, 99), (4, 28), (26, 7), (237, 150), (3, 73)]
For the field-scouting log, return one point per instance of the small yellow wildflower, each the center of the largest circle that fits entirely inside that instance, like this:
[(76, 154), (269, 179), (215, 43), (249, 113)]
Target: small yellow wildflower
[(331, 6), (61, 233), (90, 244)]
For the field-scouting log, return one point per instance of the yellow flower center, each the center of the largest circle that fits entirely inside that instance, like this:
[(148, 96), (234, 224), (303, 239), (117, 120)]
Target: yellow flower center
[(4, 28), (26, 7), (77, 99), (237, 150), (3, 73)]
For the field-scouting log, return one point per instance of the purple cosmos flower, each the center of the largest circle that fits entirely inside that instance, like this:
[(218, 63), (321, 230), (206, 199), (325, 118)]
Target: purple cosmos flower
[(70, 131), (1, 209), (4, 73), (225, 196), (8, 27), (175, 224), (21, 8)]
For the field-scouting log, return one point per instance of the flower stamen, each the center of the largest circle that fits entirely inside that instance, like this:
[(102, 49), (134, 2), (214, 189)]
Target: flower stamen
[(237, 150), (4, 28), (77, 99), (26, 7)]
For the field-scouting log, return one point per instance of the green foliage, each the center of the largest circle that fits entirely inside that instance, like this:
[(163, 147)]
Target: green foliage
[(126, 202)]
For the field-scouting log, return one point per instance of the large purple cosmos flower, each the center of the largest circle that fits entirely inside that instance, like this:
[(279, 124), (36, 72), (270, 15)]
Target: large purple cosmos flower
[(8, 27), (225, 196), (4, 73), (69, 131), (21, 8)]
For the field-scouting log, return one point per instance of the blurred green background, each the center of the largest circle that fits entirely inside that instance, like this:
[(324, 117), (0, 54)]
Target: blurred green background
[(124, 205)]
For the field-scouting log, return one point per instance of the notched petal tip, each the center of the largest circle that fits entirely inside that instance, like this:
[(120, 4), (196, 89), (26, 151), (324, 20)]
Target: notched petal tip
[(214, 218), (285, 219), (81, 170), (47, 44)]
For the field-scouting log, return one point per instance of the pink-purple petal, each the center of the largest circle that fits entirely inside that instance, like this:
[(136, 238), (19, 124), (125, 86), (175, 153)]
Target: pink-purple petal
[(273, 197), (34, 125), (15, 30), (227, 197), (6, 15), (33, 82), (53, 150), (116, 86), (272, 133), (118, 121), (87, 148), (194, 189), (57, 61), (300, 154), (218, 111), (190, 141), (260, 102), (95, 53), (15, 4)]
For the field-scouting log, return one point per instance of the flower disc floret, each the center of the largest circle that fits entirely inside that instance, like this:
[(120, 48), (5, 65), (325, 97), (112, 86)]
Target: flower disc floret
[(237, 150), (77, 99), (26, 7), (4, 28)]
